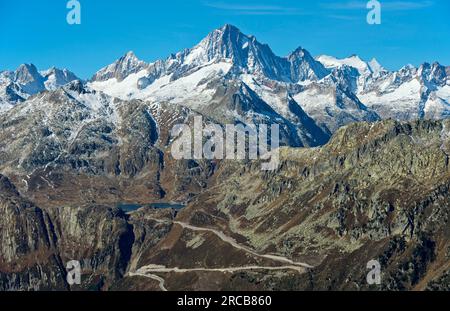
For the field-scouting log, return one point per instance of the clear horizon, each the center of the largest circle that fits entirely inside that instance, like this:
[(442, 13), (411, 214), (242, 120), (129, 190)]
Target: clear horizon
[(37, 32)]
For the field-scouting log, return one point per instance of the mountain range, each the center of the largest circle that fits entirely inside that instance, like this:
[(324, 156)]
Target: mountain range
[(375, 185), (312, 97)]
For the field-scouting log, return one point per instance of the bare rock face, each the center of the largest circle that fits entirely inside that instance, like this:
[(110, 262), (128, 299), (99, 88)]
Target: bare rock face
[(120, 69), (29, 257), (374, 192), (73, 150), (98, 236), (77, 145), (35, 246)]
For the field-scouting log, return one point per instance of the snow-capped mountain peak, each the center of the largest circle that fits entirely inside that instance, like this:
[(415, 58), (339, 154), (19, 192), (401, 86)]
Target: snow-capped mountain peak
[(332, 91), (305, 67), (434, 74), (363, 67), (55, 77), (249, 56), (120, 69), (227, 42), (375, 66), (244, 52), (28, 77), (16, 86), (225, 47), (230, 75)]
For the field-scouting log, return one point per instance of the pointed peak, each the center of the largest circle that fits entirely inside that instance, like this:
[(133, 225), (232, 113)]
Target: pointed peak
[(121, 68), (27, 67), (300, 52), (52, 69), (55, 70), (355, 56), (49, 71), (229, 27), (27, 72), (129, 56), (228, 31), (408, 66), (374, 61), (130, 59), (436, 64), (375, 66)]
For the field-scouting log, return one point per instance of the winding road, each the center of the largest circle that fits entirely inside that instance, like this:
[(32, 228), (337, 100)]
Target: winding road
[(151, 276), (235, 244), (150, 270)]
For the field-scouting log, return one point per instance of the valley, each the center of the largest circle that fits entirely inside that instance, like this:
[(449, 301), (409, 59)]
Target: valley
[(87, 173)]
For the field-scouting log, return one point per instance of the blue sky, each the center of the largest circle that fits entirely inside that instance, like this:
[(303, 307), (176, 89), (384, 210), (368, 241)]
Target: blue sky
[(33, 31)]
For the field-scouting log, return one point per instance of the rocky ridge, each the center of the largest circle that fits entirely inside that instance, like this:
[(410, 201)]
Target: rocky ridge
[(375, 191)]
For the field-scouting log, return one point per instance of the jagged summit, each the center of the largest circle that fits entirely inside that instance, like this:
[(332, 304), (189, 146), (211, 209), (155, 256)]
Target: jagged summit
[(121, 68), (130, 54), (55, 77), (16, 86), (305, 67), (226, 44), (228, 30), (28, 77), (363, 67), (252, 56), (229, 27), (434, 74), (375, 66), (26, 73), (331, 91)]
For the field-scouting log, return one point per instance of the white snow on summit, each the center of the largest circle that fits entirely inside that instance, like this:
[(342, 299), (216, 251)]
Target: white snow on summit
[(229, 72), (16, 86), (363, 67)]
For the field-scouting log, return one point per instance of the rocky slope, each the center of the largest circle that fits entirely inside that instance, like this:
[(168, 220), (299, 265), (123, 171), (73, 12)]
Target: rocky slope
[(29, 259), (375, 191), (229, 58), (313, 96), (332, 92), (76, 144), (36, 243)]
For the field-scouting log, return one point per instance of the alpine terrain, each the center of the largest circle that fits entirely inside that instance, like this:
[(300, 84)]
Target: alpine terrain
[(364, 173)]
